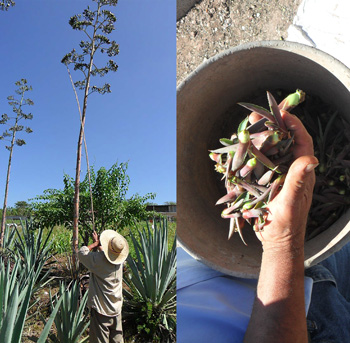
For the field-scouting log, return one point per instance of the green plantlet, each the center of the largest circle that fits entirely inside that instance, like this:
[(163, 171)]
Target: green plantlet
[(292, 100)]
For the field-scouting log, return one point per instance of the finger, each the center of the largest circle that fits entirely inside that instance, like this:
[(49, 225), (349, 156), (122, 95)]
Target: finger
[(254, 117), (303, 144), (299, 181)]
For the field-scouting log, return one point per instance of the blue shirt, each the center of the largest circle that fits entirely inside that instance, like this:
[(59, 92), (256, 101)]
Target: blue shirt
[(212, 306)]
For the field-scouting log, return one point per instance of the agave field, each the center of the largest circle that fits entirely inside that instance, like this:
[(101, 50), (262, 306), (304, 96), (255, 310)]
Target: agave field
[(255, 159), (41, 301)]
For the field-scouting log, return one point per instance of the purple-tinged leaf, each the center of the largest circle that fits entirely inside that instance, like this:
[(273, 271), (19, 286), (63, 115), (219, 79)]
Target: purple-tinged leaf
[(253, 191), (272, 126), (235, 205), (260, 198), (253, 213), (230, 215), (259, 170), (232, 228), (262, 189), (228, 167), (276, 111), (272, 151), (229, 197), (257, 126), (266, 178), (239, 226), (241, 151), (226, 149), (258, 139), (285, 145), (262, 158), (256, 135), (283, 159), (259, 110), (275, 186), (271, 141), (249, 167)]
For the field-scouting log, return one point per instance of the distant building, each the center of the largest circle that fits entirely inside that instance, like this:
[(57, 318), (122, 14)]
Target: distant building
[(10, 220), (168, 211), (16, 218)]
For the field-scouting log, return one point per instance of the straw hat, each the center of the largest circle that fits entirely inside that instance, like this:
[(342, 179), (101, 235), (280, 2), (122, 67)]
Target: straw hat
[(115, 246)]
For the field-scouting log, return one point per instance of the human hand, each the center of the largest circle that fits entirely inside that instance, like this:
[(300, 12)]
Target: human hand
[(286, 220), (95, 237)]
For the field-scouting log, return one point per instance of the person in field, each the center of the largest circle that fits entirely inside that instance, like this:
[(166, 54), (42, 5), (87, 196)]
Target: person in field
[(105, 297)]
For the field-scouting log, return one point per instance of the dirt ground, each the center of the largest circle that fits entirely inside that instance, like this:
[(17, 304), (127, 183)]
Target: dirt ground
[(212, 26)]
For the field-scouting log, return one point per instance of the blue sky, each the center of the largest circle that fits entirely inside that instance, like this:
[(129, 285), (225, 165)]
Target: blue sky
[(135, 123)]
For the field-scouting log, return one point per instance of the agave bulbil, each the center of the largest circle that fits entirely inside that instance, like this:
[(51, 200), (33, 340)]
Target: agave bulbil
[(254, 162)]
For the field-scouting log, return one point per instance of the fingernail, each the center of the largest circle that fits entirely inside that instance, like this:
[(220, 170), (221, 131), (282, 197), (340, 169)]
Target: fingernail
[(310, 167)]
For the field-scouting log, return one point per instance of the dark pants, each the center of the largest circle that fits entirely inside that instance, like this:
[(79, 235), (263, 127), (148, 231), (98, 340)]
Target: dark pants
[(105, 329), (329, 313)]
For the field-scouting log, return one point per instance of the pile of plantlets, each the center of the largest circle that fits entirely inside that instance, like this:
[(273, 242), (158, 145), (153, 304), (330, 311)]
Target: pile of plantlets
[(254, 162), (328, 129)]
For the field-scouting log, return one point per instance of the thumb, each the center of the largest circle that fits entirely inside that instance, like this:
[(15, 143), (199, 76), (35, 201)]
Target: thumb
[(300, 179)]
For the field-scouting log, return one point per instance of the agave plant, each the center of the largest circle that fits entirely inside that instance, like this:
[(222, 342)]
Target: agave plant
[(71, 320), (254, 162), (16, 289), (150, 296), (34, 252), (9, 237)]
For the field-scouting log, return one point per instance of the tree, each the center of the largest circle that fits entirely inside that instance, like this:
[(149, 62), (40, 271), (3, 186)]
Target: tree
[(17, 105), (111, 206), (6, 4), (22, 208), (96, 25)]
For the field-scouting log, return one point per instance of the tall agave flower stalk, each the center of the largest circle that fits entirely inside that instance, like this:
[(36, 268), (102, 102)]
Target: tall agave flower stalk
[(254, 162)]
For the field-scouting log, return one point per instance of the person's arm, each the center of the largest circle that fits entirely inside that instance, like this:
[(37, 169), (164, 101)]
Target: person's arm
[(278, 313), (84, 255), (96, 242)]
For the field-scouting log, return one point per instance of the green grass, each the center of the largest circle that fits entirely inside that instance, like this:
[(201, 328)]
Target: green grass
[(61, 240)]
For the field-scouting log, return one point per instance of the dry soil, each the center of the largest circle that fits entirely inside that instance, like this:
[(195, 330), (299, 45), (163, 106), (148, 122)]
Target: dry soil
[(212, 26)]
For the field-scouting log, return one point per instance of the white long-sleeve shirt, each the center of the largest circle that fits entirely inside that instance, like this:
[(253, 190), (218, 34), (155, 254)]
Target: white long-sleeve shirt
[(105, 285)]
